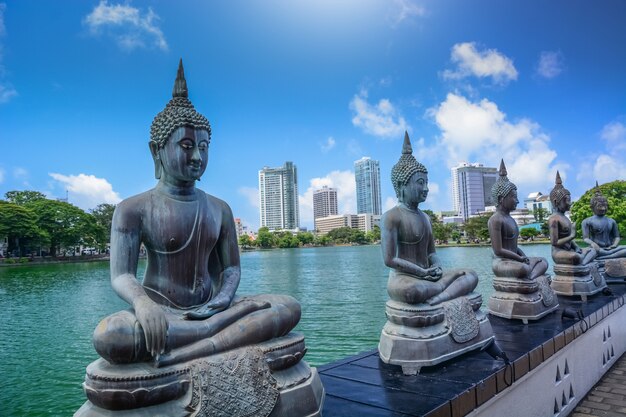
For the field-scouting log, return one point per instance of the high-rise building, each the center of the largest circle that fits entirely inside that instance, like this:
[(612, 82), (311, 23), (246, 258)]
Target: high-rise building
[(324, 203), (471, 188), (278, 197), (367, 177)]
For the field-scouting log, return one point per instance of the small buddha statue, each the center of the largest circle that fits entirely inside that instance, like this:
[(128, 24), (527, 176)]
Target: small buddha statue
[(602, 234), (185, 320), (575, 273), (565, 251), (522, 286), (420, 290)]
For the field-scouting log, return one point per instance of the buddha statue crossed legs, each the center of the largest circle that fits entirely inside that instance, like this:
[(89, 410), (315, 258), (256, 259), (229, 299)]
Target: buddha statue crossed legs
[(421, 329), (522, 286), (575, 273), (602, 234), (185, 320)]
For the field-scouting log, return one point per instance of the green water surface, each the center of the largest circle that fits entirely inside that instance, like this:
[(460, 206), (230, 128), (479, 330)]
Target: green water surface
[(48, 313)]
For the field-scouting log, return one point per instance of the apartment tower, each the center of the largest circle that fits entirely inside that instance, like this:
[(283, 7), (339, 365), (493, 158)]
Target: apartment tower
[(471, 188), (367, 177), (324, 203), (278, 197)]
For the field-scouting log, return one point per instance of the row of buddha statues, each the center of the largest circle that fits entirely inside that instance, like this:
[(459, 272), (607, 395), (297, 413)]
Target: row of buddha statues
[(189, 346)]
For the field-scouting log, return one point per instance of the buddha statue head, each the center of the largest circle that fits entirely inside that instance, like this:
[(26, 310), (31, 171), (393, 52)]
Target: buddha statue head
[(599, 203), (406, 172), (503, 191), (560, 197), (178, 120)]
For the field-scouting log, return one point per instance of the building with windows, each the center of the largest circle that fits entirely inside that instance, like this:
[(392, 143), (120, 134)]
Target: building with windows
[(536, 201), (365, 222), (324, 203), (471, 188), (278, 197), (367, 177)]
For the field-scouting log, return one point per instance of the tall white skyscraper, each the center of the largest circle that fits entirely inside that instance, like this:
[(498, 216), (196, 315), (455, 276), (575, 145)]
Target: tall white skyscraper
[(278, 197), (471, 188), (367, 177), (324, 203)]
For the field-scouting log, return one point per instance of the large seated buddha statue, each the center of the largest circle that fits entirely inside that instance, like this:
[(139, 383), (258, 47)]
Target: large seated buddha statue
[(522, 287), (188, 346), (575, 272), (602, 234), (432, 315)]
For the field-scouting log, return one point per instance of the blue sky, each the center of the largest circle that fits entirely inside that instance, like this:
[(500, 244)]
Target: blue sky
[(320, 83)]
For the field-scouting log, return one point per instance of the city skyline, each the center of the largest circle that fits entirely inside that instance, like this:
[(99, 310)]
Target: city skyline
[(320, 83)]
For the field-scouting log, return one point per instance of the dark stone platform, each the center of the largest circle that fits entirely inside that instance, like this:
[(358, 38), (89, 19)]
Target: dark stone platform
[(364, 386)]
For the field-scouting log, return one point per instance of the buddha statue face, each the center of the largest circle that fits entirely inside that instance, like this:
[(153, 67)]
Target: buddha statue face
[(415, 190), (510, 201), (600, 206), (184, 155), (564, 203)]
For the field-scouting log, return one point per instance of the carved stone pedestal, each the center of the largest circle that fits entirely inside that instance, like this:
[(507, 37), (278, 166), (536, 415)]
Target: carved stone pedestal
[(424, 335), (577, 280), (268, 379), (522, 299), (612, 270)]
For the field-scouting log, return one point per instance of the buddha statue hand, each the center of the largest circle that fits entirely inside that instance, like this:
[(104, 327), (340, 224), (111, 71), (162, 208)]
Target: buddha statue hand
[(214, 306), (435, 272), (525, 259), (152, 319)]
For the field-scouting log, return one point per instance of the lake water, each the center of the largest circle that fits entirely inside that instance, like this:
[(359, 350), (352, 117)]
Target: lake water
[(48, 313)]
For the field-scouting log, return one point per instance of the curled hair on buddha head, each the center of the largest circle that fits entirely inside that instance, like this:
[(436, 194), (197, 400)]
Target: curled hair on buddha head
[(558, 192), (179, 112), (502, 187), (402, 171), (597, 197)]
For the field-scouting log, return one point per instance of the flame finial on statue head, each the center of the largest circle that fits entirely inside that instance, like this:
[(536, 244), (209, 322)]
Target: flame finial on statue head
[(502, 187), (402, 172), (180, 85)]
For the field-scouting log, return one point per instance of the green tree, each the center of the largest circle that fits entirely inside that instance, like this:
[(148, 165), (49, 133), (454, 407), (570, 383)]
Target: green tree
[(358, 236), (24, 197), (529, 233), (245, 241), (265, 239), (322, 240), (340, 235), (615, 193), (19, 225), (374, 234), (476, 227), (64, 225), (305, 238), (103, 215), (540, 214)]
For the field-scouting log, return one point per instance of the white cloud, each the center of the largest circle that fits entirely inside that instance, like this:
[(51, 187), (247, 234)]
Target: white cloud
[(609, 168), (329, 144), (479, 131), (20, 173), (343, 181), (127, 25), (614, 134), (610, 164), (382, 119), (87, 191), (405, 9), (1, 175), (481, 64), (251, 194), (550, 64)]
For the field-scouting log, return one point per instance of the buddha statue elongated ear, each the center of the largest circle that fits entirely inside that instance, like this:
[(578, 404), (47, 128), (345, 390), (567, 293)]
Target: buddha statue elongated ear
[(158, 165)]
